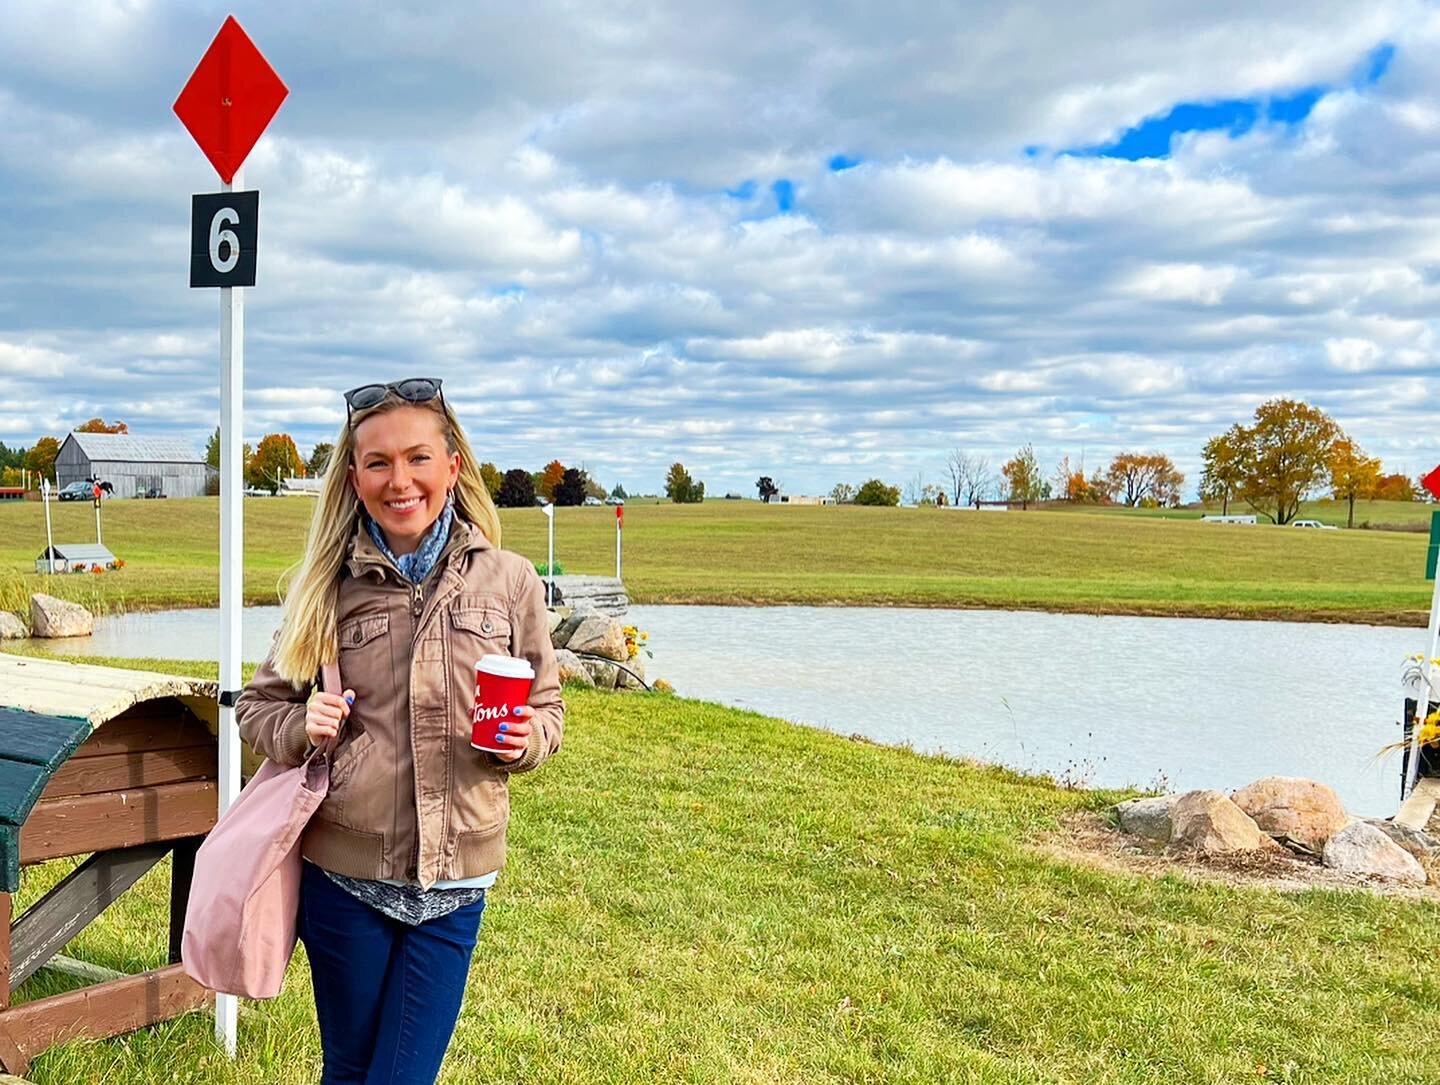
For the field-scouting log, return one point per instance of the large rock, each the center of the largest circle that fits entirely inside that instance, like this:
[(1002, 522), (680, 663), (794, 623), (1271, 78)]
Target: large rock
[(1147, 817), (1364, 850), (599, 635), (572, 668), (1424, 846), (1207, 823), (570, 620), (626, 680), (11, 627), (51, 617), (1293, 810), (602, 672)]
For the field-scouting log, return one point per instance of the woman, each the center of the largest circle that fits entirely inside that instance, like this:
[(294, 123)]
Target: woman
[(404, 580)]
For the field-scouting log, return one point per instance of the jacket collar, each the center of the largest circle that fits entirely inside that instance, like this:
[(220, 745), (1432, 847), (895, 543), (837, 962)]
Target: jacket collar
[(364, 554)]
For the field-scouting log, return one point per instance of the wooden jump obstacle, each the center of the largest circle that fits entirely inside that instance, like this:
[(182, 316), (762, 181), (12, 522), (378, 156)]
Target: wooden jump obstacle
[(118, 765)]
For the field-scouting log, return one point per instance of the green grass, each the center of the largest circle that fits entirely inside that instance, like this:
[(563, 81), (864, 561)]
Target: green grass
[(746, 552), (704, 895)]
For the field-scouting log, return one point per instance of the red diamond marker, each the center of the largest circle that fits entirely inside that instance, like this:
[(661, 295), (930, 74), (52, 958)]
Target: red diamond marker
[(1431, 482), (230, 98)]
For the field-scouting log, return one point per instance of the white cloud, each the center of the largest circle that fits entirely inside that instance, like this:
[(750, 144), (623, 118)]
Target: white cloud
[(552, 216)]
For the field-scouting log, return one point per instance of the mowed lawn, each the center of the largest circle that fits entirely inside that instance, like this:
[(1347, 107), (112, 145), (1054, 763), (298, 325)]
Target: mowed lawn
[(704, 895), (744, 552)]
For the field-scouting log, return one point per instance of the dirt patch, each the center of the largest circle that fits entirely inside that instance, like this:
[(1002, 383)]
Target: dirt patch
[(1090, 839)]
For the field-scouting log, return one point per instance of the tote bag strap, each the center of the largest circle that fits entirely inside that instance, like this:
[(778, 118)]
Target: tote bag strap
[(330, 683)]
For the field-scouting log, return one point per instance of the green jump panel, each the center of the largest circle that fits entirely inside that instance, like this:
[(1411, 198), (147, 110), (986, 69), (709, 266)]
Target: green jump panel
[(32, 747)]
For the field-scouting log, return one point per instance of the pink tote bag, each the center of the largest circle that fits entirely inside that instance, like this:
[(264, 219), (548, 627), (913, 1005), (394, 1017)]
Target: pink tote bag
[(245, 893)]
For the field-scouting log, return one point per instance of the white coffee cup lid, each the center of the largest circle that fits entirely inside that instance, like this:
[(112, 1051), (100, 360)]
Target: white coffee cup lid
[(505, 666)]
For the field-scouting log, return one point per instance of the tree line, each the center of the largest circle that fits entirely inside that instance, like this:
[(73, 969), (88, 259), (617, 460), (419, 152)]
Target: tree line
[(1288, 451)]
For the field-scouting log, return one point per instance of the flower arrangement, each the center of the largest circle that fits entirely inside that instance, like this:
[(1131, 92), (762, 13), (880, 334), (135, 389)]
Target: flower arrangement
[(98, 570), (635, 642), (118, 563)]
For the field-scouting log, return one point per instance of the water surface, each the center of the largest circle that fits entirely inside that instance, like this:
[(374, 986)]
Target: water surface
[(1175, 703)]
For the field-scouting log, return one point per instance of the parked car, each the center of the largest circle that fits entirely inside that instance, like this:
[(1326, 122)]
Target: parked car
[(592, 500), (1313, 523), (76, 491), (614, 501)]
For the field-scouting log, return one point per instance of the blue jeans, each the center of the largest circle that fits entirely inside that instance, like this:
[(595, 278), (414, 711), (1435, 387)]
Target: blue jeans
[(387, 995)]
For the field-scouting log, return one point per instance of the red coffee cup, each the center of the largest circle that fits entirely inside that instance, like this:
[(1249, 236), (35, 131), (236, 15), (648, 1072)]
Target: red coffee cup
[(502, 684)]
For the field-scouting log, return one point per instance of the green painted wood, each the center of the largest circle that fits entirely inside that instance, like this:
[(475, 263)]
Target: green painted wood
[(1432, 552), (20, 785), (9, 859), (1435, 528), (42, 740), (32, 747)]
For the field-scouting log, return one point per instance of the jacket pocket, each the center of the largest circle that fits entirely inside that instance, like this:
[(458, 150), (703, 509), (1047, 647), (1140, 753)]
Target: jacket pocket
[(358, 632), (346, 759), (488, 623)]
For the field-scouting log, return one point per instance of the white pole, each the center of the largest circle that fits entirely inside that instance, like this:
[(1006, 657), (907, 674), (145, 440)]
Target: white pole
[(232, 556), (1422, 695), (49, 537), (550, 565), (98, 540)]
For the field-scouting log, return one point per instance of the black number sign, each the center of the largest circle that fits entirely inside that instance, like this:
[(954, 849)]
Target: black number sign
[(223, 231)]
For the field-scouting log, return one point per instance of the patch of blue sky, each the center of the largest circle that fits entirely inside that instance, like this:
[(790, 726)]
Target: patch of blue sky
[(507, 290), (784, 191), (1377, 63), (841, 162), (1151, 138), (743, 191)]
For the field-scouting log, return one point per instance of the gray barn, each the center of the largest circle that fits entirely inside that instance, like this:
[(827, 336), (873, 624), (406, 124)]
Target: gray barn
[(132, 465)]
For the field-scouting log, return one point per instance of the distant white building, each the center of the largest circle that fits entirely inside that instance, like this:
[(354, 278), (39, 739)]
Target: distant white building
[(134, 466), (802, 499), (1238, 519)]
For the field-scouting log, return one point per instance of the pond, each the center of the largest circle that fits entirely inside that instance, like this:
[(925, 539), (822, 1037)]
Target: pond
[(1175, 703)]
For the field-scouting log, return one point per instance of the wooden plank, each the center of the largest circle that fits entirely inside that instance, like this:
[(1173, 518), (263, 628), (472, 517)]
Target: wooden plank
[(11, 1058), (21, 783), (39, 739), (97, 694), (9, 859), (128, 732), (106, 1009), (5, 985), (117, 819), (80, 970), (119, 771), (57, 917)]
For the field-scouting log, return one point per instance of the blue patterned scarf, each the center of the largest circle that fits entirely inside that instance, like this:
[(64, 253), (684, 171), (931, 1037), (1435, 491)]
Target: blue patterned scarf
[(416, 565)]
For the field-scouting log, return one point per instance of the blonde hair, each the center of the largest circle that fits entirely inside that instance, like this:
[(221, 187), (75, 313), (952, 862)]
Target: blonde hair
[(307, 638)]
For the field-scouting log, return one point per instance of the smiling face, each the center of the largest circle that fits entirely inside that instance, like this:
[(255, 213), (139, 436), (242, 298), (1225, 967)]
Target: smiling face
[(402, 471)]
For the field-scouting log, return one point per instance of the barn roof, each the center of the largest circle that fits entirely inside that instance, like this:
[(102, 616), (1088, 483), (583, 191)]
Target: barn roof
[(125, 446)]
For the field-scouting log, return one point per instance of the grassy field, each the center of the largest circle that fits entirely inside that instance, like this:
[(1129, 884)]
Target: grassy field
[(745, 552), (704, 895)]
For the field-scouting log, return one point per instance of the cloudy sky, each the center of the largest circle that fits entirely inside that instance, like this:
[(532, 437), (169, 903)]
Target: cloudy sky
[(822, 242)]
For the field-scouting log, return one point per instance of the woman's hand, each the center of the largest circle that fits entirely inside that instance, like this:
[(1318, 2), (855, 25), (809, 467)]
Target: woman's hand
[(323, 713), (515, 734)]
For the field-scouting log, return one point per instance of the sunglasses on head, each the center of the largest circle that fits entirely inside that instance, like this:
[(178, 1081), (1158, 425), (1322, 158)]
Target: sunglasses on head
[(412, 390)]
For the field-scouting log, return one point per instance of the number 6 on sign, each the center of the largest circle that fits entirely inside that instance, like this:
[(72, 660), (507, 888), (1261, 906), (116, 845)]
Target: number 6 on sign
[(223, 231)]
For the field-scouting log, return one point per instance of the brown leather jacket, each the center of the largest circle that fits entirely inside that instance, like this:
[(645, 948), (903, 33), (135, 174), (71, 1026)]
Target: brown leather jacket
[(410, 798)]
